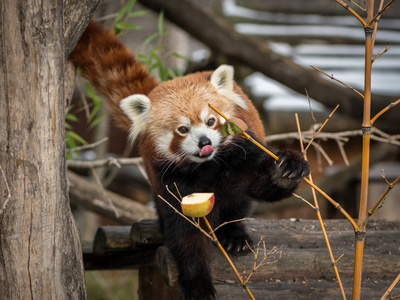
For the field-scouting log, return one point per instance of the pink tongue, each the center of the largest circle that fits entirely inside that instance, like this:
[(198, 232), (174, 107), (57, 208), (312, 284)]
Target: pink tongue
[(206, 150)]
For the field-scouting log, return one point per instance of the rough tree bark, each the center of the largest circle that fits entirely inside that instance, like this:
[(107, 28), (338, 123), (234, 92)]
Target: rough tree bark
[(40, 251)]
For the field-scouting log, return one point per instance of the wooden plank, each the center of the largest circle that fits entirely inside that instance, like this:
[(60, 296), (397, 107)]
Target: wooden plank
[(303, 272)]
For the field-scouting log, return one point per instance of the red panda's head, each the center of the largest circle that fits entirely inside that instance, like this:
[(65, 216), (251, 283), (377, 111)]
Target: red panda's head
[(176, 116)]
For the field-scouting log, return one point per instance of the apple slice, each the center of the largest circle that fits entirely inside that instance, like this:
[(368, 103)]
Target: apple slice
[(197, 204)]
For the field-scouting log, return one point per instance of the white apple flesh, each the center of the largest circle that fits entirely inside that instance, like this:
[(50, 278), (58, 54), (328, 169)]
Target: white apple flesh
[(197, 204)]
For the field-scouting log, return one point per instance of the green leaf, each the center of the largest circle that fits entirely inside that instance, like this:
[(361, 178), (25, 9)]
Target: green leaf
[(126, 26), (93, 113), (76, 137), (230, 128), (171, 74), (138, 13), (71, 117), (91, 93), (125, 10), (150, 39), (117, 31), (95, 121), (181, 56), (178, 71), (235, 128)]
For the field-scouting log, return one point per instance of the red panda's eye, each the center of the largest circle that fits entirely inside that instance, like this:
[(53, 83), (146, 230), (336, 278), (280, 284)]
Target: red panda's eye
[(210, 122), (183, 129)]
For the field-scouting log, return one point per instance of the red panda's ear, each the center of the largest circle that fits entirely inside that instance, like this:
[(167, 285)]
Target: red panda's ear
[(222, 79), (137, 108)]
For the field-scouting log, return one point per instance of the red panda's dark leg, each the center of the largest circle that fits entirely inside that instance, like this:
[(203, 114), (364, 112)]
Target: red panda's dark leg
[(233, 236), (190, 249)]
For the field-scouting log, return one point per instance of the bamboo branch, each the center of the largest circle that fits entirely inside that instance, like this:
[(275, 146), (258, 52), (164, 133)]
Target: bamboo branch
[(393, 104), (337, 80), (378, 15), (376, 24), (318, 212), (378, 203), (323, 125), (337, 205), (247, 136), (352, 11), (389, 290), (381, 53), (359, 6), (218, 244)]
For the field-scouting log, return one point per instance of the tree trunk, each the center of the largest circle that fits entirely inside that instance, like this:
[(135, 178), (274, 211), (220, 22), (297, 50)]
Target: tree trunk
[(40, 251)]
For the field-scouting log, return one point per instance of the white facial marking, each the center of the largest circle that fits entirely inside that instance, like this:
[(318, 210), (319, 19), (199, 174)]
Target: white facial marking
[(191, 144), (163, 143)]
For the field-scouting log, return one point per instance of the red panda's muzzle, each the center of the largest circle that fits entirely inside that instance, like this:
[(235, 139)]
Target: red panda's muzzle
[(207, 150), (205, 144)]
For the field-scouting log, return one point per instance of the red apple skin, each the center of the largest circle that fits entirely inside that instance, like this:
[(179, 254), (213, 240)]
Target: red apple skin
[(198, 209)]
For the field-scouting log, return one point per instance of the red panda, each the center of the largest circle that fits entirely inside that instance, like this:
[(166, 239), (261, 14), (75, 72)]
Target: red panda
[(180, 140)]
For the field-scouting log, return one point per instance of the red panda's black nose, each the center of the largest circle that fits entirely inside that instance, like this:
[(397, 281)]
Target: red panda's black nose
[(204, 141)]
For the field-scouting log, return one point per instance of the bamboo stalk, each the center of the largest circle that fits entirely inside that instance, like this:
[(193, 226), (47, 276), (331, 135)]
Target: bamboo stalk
[(317, 210), (215, 240), (366, 126)]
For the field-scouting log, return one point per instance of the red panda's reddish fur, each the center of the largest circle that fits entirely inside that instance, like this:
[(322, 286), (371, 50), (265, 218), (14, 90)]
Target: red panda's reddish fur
[(111, 68)]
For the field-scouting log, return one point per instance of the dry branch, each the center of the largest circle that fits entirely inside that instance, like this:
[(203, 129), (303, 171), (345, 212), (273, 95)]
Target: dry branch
[(89, 196)]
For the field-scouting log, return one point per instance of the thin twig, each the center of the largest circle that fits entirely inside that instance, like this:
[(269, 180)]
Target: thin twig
[(263, 262), (356, 4), (228, 222), (389, 290), (378, 15), (337, 80), (89, 146), (114, 171), (172, 194), (304, 200), (324, 154), (381, 53), (110, 202), (393, 104), (87, 164), (376, 24), (380, 201), (343, 153), (311, 111), (323, 125), (186, 218), (352, 11)]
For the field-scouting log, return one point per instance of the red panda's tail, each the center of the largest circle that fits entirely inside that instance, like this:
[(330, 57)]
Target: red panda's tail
[(111, 68)]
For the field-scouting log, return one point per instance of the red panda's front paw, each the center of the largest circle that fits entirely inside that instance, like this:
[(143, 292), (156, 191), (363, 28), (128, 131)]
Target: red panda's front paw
[(293, 166), (236, 245)]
